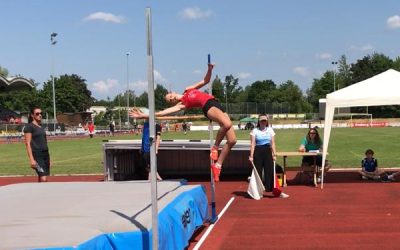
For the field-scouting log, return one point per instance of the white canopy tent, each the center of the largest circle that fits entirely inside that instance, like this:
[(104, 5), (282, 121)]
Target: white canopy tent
[(381, 89)]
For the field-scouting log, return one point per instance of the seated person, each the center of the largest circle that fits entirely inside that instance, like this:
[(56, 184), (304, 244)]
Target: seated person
[(312, 142), (369, 166), (393, 176)]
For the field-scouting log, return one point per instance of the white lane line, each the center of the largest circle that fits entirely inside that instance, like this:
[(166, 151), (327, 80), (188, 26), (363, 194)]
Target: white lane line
[(203, 238)]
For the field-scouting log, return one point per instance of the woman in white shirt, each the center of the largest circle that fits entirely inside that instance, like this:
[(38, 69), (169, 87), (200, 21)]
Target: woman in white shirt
[(263, 154)]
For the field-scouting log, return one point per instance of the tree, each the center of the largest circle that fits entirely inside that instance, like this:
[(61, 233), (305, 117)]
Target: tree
[(319, 89), (343, 78), (396, 64), (159, 97), (3, 72), (21, 100), (369, 66), (218, 89), (72, 94), (262, 91), (142, 100), (291, 94), (232, 88)]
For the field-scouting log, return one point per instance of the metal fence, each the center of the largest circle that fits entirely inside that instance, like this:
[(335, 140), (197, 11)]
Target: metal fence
[(261, 108)]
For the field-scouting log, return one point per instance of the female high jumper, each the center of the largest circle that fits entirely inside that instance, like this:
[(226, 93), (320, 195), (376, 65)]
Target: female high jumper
[(212, 109)]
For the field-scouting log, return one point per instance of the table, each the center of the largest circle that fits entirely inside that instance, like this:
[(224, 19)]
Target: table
[(286, 154)]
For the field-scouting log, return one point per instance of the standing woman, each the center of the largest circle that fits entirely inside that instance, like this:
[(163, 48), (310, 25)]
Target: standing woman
[(263, 154), (36, 145)]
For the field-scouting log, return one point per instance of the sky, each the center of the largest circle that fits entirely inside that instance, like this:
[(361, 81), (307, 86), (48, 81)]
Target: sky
[(252, 40)]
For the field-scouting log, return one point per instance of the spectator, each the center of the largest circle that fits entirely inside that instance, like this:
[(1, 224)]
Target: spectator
[(184, 127), (12, 120), (189, 126), (393, 176), (369, 166), (313, 143), (91, 129), (112, 128), (167, 127), (36, 145)]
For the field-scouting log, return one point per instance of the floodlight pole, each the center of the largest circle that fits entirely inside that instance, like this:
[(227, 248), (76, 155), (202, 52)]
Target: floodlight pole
[(226, 97), (119, 110), (127, 89), (334, 63), (53, 42), (153, 159)]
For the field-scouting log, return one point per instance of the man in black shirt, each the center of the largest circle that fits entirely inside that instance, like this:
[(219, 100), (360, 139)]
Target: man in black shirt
[(36, 145)]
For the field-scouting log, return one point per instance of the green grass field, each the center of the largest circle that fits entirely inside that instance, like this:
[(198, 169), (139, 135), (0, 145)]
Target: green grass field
[(84, 156)]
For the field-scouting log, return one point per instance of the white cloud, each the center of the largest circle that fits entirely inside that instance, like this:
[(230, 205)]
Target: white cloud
[(302, 71), (243, 75), (106, 17), (105, 86), (158, 78), (197, 71), (139, 86), (366, 47), (393, 22), (324, 56), (142, 85), (195, 13)]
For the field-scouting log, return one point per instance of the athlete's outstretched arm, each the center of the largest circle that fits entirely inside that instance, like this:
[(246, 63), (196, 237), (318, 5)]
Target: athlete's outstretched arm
[(203, 82), (136, 113)]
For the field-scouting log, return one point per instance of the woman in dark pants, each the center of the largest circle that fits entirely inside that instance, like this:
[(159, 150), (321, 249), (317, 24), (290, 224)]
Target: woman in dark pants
[(262, 153), (36, 145)]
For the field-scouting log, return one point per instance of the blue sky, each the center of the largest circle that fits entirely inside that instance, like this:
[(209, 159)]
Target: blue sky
[(253, 40)]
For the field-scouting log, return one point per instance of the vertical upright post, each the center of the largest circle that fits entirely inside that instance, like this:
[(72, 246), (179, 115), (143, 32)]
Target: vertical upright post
[(212, 204), (153, 163)]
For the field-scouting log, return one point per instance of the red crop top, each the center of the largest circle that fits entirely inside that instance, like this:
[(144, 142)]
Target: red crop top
[(194, 98)]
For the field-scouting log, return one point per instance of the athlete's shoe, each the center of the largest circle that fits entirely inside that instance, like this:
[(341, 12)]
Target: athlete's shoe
[(283, 195), (214, 153), (386, 178), (216, 171)]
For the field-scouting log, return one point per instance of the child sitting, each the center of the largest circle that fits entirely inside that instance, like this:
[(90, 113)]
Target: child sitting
[(369, 166)]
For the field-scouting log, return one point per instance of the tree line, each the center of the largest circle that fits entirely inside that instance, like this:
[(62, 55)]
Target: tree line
[(72, 94)]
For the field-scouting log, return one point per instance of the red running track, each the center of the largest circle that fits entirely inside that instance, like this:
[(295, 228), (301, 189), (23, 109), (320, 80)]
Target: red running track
[(347, 214)]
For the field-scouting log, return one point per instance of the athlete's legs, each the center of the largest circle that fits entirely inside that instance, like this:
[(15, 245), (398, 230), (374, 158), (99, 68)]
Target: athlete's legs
[(42, 178), (225, 130)]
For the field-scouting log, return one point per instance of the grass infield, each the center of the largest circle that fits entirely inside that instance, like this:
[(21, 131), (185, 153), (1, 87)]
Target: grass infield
[(84, 156)]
